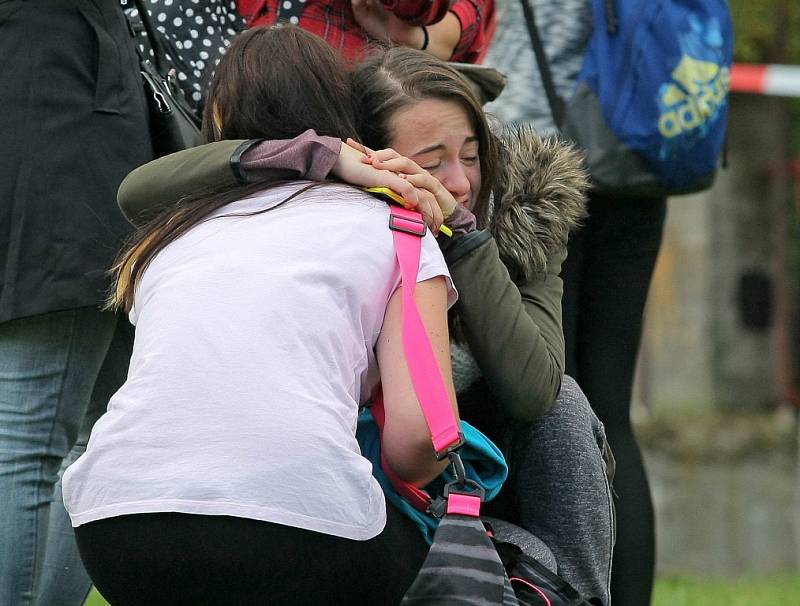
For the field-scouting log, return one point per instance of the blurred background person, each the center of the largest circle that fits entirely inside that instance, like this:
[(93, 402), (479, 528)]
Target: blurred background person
[(454, 30), (196, 36), (606, 275), (74, 124)]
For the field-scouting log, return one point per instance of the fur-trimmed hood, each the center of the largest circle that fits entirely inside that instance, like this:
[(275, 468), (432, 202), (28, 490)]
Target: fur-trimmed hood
[(540, 198)]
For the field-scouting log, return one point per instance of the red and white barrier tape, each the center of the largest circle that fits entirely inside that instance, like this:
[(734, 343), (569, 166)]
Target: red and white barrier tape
[(779, 80)]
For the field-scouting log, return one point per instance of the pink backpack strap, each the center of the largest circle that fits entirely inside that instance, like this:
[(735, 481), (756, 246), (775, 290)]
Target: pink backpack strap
[(408, 229), (417, 498)]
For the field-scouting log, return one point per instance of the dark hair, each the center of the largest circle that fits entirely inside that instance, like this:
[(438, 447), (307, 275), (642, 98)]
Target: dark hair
[(388, 81), (272, 83), (275, 83)]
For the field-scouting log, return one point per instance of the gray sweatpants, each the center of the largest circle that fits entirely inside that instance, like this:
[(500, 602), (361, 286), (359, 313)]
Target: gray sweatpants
[(560, 468)]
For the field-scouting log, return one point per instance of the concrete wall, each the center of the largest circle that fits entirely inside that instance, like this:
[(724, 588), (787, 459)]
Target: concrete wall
[(696, 353)]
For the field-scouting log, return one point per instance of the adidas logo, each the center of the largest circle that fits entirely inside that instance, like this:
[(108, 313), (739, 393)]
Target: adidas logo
[(698, 91)]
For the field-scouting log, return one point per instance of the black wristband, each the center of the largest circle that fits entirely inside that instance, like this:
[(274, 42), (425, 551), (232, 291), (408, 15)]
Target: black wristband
[(426, 39), (236, 159)]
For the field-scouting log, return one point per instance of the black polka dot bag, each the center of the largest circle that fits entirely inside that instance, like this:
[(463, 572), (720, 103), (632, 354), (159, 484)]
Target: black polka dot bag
[(174, 123), (194, 34)]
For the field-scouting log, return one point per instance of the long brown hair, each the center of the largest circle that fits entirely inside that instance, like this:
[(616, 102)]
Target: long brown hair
[(272, 83), (399, 77)]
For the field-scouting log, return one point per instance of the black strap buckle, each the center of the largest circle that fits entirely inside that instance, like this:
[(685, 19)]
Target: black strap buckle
[(458, 468), (443, 454), (470, 488)]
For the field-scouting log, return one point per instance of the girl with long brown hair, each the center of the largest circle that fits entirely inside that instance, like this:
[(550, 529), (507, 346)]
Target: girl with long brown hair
[(511, 207), (226, 470)]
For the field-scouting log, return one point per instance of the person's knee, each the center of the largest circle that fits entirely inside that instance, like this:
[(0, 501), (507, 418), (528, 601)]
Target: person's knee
[(573, 408)]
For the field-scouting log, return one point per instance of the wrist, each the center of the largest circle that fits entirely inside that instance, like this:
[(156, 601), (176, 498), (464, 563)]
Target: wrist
[(412, 36), (461, 220), (425, 38)]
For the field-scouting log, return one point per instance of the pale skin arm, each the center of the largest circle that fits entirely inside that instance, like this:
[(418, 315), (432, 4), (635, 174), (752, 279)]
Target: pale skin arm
[(406, 438), (443, 37), (355, 167), (388, 159), (435, 199)]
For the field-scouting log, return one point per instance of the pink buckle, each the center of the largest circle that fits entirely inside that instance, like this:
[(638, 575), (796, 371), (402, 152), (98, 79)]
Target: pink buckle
[(408, 225), (464, 504)]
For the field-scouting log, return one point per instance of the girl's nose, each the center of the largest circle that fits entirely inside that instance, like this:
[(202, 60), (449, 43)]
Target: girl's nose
[(456, 182)]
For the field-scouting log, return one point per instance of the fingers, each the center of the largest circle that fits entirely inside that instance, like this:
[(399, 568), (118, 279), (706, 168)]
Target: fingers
[(391, 160), (445, 201), (420, 190), (385, 154), (414, 198), (359, 146), (410, 193), (431, 213)]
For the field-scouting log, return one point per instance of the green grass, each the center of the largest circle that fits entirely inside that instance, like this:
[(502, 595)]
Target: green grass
[(682, 591), (772, 591)]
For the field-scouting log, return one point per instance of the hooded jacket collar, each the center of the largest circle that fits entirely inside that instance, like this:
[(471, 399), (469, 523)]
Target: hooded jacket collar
[(539, 200)]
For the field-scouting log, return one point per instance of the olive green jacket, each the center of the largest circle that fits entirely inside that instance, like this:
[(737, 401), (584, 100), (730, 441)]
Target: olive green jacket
[(507, 276), (509, 304)]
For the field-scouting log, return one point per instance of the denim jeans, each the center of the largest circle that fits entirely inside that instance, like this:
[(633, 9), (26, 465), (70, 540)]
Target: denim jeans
[(57, 372)]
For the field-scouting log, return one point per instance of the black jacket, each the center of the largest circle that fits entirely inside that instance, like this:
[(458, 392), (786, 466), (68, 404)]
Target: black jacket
[(73, 124)]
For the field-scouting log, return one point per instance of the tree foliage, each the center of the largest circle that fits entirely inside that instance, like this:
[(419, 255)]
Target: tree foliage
[(767, 31)]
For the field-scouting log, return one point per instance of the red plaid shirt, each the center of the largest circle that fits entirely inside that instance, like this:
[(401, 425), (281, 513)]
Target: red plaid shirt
[(334, 21)]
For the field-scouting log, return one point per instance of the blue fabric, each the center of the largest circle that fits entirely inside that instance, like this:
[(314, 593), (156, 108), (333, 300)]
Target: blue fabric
[(483, 462), (57, 372), (662, 81)]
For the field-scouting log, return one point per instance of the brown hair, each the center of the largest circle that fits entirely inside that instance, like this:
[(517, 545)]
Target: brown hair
[(272, 83), (399, 77)]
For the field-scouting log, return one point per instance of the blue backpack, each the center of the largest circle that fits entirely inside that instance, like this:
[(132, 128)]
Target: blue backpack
[(651, 100)]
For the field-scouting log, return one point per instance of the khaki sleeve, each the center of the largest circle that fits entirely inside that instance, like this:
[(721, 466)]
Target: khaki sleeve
[(514, 330), (161, 183)]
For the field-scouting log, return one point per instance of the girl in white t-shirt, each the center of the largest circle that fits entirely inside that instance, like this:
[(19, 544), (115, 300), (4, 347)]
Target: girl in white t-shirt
[(226, 470)]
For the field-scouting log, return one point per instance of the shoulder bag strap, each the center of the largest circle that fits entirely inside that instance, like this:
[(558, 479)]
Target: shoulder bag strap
[(408, 228), (154, 36), (555, 102)]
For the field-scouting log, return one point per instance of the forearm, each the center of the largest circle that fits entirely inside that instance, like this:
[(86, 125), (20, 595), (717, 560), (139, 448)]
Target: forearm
[(441, 40), (161, 183), (514, 331), (443, 37), (476, 27)]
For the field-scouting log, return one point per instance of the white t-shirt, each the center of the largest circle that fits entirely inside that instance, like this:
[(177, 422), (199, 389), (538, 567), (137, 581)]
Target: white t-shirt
[(254, 347)]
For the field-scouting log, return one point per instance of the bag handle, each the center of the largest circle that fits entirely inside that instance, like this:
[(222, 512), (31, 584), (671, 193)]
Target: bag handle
[(555, 102), (153, 35)]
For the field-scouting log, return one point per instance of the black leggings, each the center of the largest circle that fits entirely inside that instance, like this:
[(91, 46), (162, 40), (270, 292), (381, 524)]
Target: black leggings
[(606, 280), (174, 558)]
